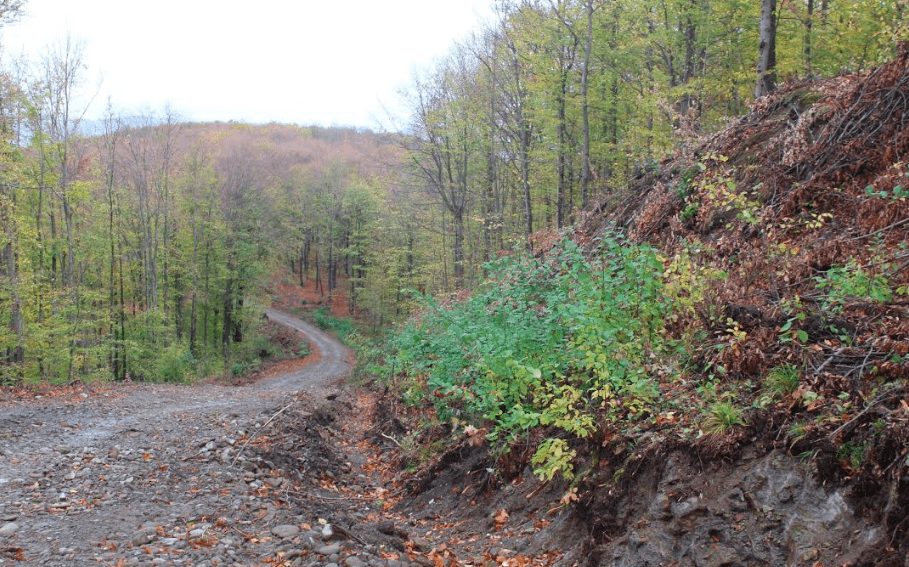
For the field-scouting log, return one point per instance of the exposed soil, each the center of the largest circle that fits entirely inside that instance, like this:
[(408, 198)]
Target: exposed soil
[(290, 296)]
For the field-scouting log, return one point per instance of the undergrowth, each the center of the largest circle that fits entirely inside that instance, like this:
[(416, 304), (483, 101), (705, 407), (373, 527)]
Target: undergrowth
[(560, 345), (342, 328)]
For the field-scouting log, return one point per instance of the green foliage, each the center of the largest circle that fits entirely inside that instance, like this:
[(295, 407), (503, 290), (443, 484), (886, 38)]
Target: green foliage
[(843, 283), (343, 328), (553, 457), (797, 431), (545, 344), (689, 212), (852, 453), (896, 193)]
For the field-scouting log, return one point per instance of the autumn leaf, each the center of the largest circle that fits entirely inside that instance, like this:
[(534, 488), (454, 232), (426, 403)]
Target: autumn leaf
[(476, 437), (569, 497), (500, 518)]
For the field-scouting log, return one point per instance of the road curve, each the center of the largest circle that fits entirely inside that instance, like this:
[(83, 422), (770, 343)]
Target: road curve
[(333, 363), (79, 477)]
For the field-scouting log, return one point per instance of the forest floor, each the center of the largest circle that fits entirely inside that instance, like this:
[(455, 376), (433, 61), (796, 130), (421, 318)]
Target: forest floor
[(276, 471)]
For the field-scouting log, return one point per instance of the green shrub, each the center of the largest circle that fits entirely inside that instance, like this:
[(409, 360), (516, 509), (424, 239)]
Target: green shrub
[(842, 283), (244, 367), (342, 328), (553, 457), (554, 344)]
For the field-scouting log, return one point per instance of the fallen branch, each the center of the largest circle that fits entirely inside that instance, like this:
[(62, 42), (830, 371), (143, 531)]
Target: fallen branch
[(348, 533), (320, 497), (254, 435), (874, 403), (885, 229), (827, 362), (393, 440)]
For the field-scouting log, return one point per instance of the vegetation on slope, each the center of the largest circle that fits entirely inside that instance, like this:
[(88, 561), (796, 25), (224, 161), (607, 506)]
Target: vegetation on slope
[(751, 292)]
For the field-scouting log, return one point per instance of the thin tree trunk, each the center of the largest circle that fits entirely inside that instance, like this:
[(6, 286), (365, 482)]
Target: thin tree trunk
[(766, 74), (808, 39), (585, 106), (458, 247)]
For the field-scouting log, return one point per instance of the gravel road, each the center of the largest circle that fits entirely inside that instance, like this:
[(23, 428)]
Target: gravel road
[(141, 473)]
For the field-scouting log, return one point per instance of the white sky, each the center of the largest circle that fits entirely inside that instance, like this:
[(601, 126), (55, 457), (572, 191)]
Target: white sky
[(328, 62)]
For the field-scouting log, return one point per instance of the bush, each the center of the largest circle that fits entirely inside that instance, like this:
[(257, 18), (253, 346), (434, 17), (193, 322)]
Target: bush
[(342, 328), (842, 283), (551, 344)]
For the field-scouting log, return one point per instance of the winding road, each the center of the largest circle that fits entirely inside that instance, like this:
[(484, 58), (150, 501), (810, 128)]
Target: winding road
[(116, 477)]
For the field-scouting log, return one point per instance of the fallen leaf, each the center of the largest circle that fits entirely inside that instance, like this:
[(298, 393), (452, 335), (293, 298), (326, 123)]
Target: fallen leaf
[(500, 518)]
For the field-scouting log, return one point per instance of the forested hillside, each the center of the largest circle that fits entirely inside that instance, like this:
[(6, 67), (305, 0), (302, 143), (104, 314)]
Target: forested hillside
[(555, 102), (143, 251), (152, 235)]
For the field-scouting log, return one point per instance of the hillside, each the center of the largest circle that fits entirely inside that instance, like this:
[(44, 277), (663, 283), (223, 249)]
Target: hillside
[(713, 370)]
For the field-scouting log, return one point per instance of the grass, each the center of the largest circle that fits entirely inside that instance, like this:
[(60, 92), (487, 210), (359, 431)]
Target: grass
[(722, 417), (782, 380)]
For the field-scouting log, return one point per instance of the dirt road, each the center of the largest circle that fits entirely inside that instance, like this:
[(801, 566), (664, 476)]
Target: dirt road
[(141, 474)]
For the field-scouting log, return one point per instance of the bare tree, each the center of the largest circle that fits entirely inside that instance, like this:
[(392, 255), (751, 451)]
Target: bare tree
[(10, 10), (446, 141), (766, 67)]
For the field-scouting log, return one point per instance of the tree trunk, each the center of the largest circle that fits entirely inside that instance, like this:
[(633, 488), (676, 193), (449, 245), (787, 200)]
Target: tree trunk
[(585, 106), (458, 247), (766, 75), (808, 39), (561, 212)]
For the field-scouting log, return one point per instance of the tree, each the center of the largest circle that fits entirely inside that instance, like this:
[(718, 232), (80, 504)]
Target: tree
[(766, 67)]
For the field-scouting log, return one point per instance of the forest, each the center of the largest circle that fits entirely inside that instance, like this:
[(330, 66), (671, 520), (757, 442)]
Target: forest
[(138, 246), (614, 244)]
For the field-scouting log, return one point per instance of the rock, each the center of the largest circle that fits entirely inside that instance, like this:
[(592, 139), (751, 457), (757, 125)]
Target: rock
[(9, 529), (286, 531), (196, 533), (420, 544), (142, 538), (327, 532), (354, 561), (687, 507), (329, 549), (719, 556), (389, 528)]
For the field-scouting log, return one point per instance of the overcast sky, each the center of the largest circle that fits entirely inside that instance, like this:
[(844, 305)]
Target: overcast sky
[(328, 62)]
